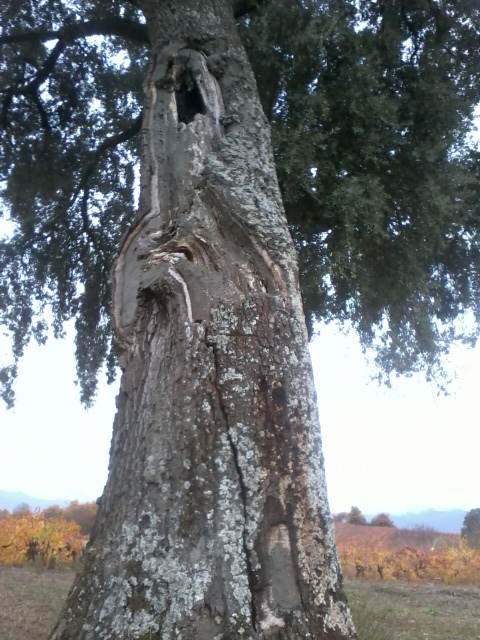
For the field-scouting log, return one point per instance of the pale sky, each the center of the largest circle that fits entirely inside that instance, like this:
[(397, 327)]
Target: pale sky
[(386, 450), (401, 449)]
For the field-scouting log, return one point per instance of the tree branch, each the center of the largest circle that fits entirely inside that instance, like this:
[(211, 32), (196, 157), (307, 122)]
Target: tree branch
[(7, 101), (440, 20), (43, 73), (42, 112), (107, 27), (31, 88), (109, 143), (110, 26)]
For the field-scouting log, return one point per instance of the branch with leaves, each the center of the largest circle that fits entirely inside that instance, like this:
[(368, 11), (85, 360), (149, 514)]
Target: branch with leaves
[(108, 144), (112, 26)]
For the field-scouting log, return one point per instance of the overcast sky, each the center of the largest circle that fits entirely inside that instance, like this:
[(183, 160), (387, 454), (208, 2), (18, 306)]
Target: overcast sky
[(385, 450)]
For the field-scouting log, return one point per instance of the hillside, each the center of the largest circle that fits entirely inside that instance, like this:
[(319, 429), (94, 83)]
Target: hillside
[(444, 521), (11, 499), (359, 536)]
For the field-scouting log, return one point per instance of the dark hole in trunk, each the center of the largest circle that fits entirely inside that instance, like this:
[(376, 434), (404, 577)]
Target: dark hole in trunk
[(186, 252), (189, 102)]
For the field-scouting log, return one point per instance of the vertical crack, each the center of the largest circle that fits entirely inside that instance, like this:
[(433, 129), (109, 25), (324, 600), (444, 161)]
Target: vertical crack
[(243, 489)]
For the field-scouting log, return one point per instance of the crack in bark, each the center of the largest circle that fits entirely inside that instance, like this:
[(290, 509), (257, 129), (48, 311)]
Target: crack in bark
[(243, 489)]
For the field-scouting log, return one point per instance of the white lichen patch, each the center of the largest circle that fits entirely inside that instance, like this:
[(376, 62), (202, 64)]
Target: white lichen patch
[(231, 523), (270, 622), (339, 619), (230, 374)]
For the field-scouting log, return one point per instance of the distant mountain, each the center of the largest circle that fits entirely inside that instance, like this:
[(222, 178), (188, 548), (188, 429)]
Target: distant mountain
[(444, 521), (11, 499)]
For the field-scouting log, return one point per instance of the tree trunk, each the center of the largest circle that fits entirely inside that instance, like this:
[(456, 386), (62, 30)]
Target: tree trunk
[(214, 523)]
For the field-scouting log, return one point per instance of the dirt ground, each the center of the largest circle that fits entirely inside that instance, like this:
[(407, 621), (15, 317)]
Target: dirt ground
[(30, 601)]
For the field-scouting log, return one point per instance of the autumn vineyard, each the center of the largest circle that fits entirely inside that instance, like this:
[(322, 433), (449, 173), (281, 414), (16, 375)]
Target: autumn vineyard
[(48, 538), (380, 553), (57, 536)]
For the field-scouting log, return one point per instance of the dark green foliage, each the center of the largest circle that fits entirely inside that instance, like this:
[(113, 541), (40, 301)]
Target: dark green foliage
[(471, 528), (340, 517), (370, 105), (67, 172), (369, 123), (381, 520), (356, 517)]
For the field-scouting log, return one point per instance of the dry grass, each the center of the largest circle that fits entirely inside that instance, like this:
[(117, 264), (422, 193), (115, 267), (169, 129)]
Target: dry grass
[(30, 601), (414, 611)]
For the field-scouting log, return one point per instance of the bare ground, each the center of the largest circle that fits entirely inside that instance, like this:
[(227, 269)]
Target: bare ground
[(31, 599)]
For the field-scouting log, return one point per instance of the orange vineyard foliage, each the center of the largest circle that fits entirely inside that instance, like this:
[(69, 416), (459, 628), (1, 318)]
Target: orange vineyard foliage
[(423, 555), (33, 537)]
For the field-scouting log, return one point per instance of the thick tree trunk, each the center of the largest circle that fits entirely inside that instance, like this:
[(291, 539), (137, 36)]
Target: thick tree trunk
[(214, 523)]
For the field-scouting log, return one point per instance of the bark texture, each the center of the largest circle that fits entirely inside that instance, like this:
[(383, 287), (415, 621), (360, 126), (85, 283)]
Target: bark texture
[(214, 523)]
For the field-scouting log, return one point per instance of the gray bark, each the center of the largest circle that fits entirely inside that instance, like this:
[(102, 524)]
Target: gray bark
[(214, 523)]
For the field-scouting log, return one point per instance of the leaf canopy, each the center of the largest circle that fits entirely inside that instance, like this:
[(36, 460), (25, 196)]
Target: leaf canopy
[(371, 106)]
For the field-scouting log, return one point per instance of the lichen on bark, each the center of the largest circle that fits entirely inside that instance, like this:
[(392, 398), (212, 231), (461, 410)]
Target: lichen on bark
[(214, 523)]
